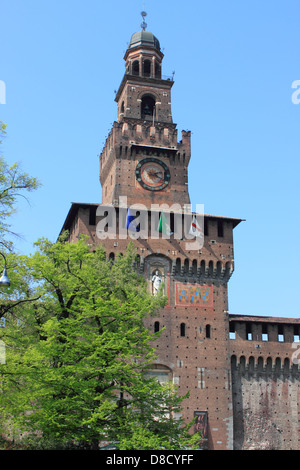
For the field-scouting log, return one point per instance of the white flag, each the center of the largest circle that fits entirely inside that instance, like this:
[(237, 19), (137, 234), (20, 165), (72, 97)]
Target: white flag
[(195, 229)]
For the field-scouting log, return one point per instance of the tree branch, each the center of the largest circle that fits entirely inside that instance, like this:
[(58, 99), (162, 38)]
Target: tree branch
[(4, 309)]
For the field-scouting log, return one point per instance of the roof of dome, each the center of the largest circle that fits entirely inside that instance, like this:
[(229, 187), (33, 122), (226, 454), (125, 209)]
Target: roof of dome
[(144, 38)]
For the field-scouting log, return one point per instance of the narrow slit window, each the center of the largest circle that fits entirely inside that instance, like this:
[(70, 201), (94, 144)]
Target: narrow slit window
[(220, 228), (205, 227), (92, 216)]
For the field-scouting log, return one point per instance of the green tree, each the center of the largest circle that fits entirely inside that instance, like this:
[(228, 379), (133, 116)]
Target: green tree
[(14, 183), (77, 357)]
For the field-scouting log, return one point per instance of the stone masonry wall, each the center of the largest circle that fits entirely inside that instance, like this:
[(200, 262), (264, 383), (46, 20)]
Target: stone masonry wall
[(265, 410)]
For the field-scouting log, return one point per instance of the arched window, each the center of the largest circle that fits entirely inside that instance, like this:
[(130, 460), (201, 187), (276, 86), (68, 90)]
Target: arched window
[(156, 327), (157, 70), (207, 331), (160, 372), (182, 329), (147, 107), (136, 68)]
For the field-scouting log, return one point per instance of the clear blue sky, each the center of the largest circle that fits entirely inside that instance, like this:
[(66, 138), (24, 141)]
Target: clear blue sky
[(234, 64)]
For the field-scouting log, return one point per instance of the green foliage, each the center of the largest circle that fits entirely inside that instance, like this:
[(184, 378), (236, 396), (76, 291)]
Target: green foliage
[(77, 356), (13, 184)]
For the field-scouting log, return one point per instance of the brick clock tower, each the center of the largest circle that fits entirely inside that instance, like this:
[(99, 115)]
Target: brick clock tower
[(143, 161)]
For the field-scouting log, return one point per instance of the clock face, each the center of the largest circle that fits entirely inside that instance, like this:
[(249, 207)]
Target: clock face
[(152, 174)]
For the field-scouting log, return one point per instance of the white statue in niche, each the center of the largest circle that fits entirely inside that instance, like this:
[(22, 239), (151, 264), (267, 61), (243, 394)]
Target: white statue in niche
[(156, 282)]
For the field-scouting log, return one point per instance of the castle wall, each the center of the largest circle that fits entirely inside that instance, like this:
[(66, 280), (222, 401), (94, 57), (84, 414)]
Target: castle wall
[(199, 361), (265, 353), (251, 403), (265, 408), (240, 372)]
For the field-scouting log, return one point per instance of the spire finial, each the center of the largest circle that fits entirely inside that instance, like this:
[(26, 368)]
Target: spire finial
[(144, 24)]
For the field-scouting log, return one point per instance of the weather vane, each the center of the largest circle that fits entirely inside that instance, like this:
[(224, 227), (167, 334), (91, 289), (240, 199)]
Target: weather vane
[(144, 24)]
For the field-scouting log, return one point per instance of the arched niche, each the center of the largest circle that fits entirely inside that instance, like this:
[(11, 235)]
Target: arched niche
[(159, 371), (157, 266)]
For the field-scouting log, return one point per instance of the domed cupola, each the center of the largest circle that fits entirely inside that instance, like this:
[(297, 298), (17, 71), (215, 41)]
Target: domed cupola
[(144, 38), (144, 94), (143, 56)]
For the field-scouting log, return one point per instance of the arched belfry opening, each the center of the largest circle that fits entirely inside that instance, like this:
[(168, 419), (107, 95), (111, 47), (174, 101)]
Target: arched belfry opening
[(157, 70), (136, 68), (147, 107), (147, 68)]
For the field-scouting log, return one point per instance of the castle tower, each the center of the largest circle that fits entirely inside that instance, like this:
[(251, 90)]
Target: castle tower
[(142, 159), (142, 162)]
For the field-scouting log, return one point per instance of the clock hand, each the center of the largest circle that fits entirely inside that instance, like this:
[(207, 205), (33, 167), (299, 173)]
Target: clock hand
[(155, 173)]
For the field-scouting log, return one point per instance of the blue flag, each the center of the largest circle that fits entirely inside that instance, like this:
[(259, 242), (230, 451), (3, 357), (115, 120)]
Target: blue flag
[(131, 224)]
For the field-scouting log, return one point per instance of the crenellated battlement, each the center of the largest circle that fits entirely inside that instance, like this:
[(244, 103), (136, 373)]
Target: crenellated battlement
[(265, 344), (132, 140), (161, 137), (264, 329)]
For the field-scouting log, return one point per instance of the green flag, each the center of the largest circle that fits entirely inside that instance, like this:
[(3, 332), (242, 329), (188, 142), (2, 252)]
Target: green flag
[(163, 227)]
